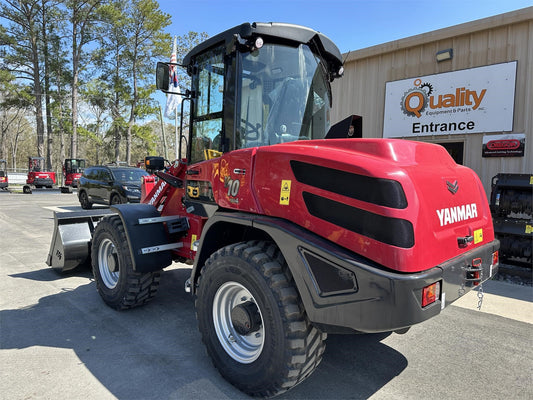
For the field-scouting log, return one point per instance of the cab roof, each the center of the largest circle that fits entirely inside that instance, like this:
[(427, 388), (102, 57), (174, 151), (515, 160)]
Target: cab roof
[(278, 32)]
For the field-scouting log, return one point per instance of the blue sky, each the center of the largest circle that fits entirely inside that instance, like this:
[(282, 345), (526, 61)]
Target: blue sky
[(351, 24)]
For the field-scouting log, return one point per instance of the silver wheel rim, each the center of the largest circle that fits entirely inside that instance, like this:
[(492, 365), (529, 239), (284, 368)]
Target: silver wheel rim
[(242, 348), (108, 263)]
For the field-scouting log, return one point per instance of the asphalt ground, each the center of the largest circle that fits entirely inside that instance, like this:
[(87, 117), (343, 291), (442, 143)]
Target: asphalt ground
[(58, 340)]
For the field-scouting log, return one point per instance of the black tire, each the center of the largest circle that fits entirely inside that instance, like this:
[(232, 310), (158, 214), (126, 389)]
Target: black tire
[(26, 189), (117, 283), (115, 199), (274, 346), (84, 200)]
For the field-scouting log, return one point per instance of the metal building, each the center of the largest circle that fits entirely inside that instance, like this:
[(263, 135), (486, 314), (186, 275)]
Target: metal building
[(468, 87)]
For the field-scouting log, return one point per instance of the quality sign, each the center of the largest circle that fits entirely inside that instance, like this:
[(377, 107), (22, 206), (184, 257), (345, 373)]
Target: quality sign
[(474, 100)]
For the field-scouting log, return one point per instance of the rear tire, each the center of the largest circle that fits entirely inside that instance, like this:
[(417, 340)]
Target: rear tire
[(26, 189), (117, 283), (84, 201), (253, 322)]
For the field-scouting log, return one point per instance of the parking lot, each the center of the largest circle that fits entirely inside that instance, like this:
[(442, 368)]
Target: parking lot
[(58, 340)]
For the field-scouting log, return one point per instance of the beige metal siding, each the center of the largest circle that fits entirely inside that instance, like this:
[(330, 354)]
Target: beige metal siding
[(499, 39)]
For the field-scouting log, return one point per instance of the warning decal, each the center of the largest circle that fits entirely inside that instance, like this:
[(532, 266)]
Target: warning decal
[(285, 192), (478, 236)]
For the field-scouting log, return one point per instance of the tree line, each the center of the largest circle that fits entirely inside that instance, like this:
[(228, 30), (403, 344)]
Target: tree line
[(77, 79)]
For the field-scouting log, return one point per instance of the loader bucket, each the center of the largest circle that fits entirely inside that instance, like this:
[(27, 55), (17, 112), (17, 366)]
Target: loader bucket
[(71, 242)]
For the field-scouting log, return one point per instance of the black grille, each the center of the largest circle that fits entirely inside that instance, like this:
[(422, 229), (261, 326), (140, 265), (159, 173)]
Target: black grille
[(330, 278), (392, 231), (379, 191)]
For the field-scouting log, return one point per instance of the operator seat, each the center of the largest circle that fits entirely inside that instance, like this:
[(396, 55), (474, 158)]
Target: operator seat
[(286, 115)]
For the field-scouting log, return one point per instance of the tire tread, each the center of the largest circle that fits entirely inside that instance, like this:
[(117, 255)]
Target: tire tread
[(304, 342)]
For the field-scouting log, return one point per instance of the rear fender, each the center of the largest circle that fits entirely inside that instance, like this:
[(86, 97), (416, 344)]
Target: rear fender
[(224, 228)]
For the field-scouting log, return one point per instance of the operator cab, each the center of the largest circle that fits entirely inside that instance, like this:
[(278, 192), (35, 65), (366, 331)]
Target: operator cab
[(36, 164), (257, 85), (74, 165)]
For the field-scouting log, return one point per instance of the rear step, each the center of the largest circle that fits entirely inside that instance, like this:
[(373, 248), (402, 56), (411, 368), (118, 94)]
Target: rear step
[(73, 232)]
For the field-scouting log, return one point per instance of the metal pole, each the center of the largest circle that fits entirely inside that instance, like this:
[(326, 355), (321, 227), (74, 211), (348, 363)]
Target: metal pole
[(163, 133), (176, 133)]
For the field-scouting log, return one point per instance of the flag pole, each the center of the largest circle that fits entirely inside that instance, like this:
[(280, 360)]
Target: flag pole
[(176, 133), (163, 133), (173, 98)]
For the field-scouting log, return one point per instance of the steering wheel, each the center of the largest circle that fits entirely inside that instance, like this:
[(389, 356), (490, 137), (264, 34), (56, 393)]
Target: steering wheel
[(251, 131)]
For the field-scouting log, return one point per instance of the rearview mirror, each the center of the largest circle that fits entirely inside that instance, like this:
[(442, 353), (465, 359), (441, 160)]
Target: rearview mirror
[(162, 76)]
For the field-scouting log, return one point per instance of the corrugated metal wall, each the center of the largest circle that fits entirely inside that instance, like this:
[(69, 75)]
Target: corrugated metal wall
[(502, 38)]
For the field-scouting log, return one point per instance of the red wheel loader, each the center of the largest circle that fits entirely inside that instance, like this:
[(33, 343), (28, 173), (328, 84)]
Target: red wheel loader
[(38, 176), (294, 228)]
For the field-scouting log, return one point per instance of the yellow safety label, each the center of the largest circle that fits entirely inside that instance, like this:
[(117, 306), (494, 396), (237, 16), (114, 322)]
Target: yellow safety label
[(478, 236), (529, 229), (285, 192), (193, 240), (531, 180)]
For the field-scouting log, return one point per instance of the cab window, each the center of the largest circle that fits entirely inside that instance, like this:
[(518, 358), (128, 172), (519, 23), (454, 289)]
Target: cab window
[(208, 106)]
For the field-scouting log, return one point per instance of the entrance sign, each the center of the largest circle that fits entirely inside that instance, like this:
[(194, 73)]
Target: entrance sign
[(474, 100)]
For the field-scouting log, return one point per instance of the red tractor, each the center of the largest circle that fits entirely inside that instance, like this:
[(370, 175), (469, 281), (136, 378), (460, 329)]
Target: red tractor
[(38, 176), (72, 170), (294, 228), (4, 182)]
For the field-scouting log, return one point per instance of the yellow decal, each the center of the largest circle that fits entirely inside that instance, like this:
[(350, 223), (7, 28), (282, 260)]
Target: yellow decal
[(478, 236), (285, 193), (209, 154), (531, 180), (529, 229), (193, 191), (193, 239)]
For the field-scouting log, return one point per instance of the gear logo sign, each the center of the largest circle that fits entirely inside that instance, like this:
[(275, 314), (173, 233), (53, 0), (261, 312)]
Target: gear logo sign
[(415, 100)]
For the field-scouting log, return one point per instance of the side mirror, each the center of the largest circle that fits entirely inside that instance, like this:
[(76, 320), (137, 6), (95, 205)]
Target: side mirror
[(154, 163), (162, 76)]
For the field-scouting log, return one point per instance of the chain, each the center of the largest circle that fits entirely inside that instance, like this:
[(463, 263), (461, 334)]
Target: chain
[(480, 296)]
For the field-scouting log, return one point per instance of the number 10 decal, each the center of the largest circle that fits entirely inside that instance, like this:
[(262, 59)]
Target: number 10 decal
[(233, 186)]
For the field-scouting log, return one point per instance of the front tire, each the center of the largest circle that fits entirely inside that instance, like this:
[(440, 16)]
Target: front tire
[(117, 283), (115, 199), (253, 322)]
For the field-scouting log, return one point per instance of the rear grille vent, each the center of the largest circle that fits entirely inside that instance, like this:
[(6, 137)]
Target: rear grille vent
[(393, 231), (379, 191)]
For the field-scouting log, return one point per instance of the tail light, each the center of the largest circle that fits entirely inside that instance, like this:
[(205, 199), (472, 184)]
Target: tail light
[(495, 258), (430, 294)]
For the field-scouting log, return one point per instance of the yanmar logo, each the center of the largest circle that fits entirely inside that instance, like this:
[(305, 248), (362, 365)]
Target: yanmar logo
[(157, 193), (452, 215), (452, 187)]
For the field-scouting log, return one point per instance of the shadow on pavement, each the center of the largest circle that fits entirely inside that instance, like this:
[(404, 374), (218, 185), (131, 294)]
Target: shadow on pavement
[(155, 352), (49, 275)]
